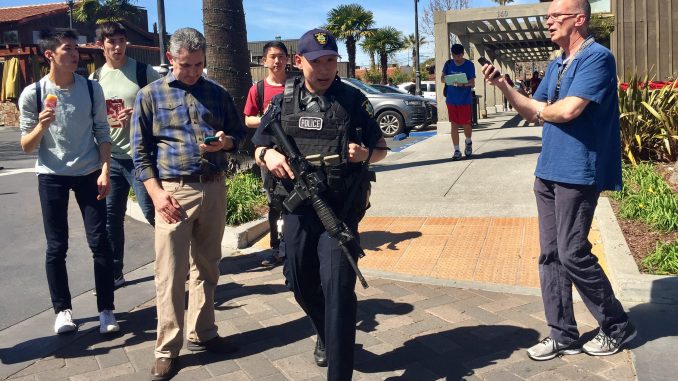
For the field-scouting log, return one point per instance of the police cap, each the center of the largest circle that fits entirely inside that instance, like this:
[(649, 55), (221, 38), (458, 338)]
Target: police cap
[(317, 43)]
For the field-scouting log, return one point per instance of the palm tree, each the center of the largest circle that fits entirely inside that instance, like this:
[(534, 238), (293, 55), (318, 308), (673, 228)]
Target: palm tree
[(227, 53), (386, 41), (366, 44), (350, 22), (411, 43), (101, 11)]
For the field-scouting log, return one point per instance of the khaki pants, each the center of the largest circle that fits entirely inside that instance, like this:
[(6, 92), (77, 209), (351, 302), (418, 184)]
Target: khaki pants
[(198, 235)]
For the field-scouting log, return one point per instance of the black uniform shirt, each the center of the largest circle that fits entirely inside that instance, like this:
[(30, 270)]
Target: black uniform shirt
[(353, 101)]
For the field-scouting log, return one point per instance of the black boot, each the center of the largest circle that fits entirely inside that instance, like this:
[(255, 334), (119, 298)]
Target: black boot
[(319, 353)]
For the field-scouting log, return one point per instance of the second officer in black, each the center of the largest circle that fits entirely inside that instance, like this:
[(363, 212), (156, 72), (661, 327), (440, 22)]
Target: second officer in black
[(332, 122)]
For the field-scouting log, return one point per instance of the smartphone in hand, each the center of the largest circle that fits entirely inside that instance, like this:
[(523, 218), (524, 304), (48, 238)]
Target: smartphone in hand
[(210, 139), (483, 61)]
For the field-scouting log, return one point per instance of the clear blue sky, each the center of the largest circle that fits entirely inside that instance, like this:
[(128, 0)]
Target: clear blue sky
[(266, 19)]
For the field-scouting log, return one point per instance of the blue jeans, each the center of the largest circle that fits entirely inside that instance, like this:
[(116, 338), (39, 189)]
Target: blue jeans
[(54, 192), (122, 177)]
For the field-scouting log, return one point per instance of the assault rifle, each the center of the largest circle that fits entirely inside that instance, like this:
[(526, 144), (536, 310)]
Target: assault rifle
[(309, 184)]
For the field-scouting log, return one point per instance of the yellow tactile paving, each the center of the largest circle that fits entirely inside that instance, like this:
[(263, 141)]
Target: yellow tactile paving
[(482, 249)]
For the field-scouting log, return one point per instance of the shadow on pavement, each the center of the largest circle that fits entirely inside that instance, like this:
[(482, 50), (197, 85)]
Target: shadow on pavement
[(135, 327), (450, 354), (373, 240), (392, 167), (656, 320), (511, 152)]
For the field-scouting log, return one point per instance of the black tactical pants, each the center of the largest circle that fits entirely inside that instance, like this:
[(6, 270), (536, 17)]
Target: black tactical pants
[(323, 283)]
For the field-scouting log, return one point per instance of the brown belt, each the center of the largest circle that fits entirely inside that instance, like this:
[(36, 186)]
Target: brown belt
[(197, 178)]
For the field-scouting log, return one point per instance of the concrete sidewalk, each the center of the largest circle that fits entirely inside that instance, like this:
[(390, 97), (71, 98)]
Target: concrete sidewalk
[(429, 314)]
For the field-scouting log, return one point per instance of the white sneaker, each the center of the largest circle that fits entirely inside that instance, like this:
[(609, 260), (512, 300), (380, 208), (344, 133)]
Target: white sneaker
[(64, 322), (107, 323)]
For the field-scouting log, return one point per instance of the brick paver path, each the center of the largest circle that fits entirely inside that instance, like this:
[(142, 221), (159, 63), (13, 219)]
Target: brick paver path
[(406, 331)]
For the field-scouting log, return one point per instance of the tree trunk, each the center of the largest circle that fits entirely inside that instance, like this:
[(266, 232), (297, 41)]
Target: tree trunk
[(227, 53), (350, 49), (373, 64), (383, 57)]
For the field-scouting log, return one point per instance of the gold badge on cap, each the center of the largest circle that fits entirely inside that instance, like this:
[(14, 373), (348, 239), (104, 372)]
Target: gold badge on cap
[(321, 37)]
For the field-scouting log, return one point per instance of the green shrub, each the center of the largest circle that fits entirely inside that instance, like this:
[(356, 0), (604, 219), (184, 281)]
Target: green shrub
[(245, 198), (372, 76), (647, 197), (398, 76), (664, 260), (648, 121)]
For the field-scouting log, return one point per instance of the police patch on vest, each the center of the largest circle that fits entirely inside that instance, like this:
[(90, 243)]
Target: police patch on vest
[(310, 123)]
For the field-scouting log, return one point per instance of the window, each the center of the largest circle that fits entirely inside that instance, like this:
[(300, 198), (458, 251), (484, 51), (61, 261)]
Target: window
[(10, 37)]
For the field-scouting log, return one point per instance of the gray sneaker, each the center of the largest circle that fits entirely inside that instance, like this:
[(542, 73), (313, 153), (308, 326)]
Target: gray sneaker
[(603, 345), (457, 155), (549, 348), (468, 150)]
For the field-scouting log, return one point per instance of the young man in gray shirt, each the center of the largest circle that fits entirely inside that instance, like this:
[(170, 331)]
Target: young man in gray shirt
[(63, 115), (121, 78)]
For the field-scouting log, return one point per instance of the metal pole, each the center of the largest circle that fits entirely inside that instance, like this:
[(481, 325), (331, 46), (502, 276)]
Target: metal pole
[(70, 13), (161, 37), (417, 88)]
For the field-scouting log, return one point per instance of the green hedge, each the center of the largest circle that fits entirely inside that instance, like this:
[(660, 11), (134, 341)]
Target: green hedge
[(246, 198), (647, 197)]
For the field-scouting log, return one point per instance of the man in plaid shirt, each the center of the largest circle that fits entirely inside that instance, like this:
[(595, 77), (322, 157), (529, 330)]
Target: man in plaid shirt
[(182, 127)]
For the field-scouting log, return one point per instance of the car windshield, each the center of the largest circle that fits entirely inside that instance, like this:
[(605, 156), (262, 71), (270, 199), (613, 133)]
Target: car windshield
[(389, 89), (362, 86)]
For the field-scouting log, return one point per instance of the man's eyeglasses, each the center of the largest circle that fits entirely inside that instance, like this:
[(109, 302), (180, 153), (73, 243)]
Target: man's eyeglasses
[(559, 17)]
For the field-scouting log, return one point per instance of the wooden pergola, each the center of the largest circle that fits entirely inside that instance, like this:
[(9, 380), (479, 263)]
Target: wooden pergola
[(505, 35)]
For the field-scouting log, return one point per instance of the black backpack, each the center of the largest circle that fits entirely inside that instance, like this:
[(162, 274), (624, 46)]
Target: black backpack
[(142, 79)]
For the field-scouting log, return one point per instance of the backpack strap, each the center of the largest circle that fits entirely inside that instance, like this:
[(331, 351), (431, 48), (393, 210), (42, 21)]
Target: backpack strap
[(97, 74), (142, 79), (260, 96), (90, 89), (38, 97)]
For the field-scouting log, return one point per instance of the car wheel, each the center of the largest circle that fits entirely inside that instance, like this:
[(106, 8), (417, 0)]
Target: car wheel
[(391, 123)]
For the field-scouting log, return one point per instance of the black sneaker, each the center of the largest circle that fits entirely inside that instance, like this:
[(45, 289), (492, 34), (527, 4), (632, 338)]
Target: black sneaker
[(457, 155), (319, 354), (603, 345), (218, 344), (272, 260), (549, 348)]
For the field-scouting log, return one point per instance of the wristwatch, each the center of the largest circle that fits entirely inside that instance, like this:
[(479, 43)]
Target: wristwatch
[(262, 153)]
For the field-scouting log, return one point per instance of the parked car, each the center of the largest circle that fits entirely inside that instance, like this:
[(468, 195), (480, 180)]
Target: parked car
[(428, 88), (395, 113), (394, 90)]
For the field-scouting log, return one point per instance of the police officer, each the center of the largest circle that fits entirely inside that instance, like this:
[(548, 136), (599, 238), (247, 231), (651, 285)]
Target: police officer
[(325, 117)]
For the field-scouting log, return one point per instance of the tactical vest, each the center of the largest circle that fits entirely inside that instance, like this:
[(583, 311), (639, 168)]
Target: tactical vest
[(327, 133), (324, 133)]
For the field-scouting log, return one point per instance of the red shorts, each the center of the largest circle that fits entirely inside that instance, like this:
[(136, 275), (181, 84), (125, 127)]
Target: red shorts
[(459, 114)]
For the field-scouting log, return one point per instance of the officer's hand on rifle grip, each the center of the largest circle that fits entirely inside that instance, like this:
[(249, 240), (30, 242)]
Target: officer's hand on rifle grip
[(276, 163)]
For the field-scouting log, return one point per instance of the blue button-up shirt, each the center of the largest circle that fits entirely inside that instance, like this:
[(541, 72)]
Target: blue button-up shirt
[(170, 121)]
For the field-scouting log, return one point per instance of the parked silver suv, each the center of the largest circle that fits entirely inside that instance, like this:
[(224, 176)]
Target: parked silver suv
[(395, 113)]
